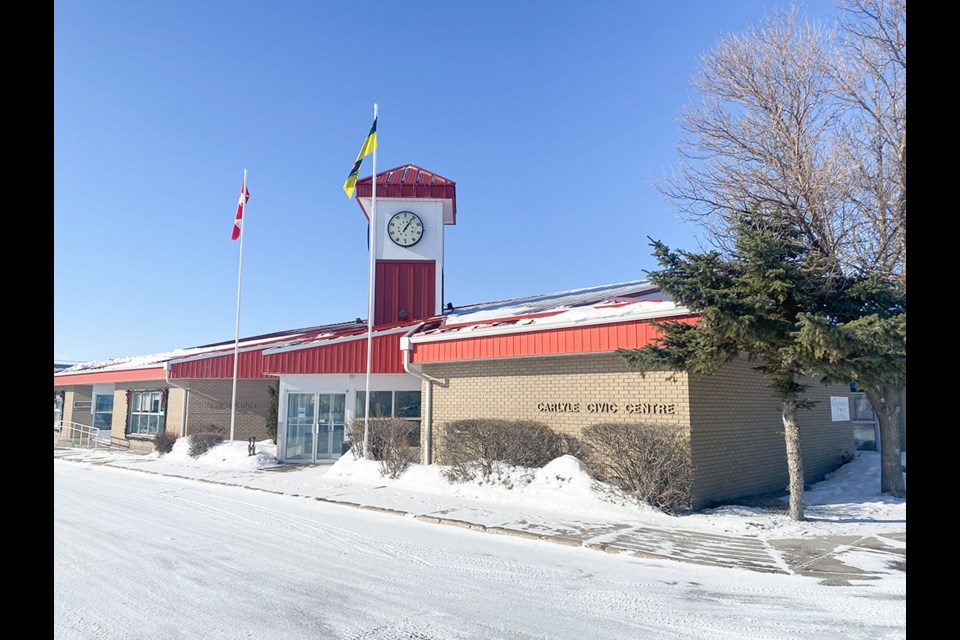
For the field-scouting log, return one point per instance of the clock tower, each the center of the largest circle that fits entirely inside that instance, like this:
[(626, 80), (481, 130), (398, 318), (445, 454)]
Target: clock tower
[(413, 206)]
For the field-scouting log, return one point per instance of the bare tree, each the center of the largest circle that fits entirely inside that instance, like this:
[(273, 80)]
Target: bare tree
[(762, 135), (792, 118), (870, 77)]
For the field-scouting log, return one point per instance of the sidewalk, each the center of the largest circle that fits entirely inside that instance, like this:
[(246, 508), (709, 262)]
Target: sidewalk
[(827, 558)]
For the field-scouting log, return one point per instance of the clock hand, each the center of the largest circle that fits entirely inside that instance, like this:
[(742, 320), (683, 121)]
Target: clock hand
[(409, 222)]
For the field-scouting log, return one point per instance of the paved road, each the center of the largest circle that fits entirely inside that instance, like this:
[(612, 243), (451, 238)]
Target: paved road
[(144, 556)]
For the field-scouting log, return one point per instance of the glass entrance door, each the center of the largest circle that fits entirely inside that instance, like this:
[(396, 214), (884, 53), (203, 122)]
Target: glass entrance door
[(330, 425), (314, 427), (301, 419)]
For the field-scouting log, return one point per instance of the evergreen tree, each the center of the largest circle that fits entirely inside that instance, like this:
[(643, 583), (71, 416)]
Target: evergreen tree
[(273, 409), (863, 340), (751, 304)]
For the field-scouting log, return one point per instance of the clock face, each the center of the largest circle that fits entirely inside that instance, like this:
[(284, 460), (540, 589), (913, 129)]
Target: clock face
[(405, 228)]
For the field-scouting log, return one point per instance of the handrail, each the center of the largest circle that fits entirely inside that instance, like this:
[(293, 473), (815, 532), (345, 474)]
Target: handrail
[(88, 435)]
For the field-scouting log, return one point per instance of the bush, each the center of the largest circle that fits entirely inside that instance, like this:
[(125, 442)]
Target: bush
[(479, 447), (390, 443), (163, 442), (650, 463), (273, 409), (200, 443)]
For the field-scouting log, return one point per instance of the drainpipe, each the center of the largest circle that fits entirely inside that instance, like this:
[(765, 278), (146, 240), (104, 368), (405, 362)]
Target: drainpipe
[(186, 397), (406, 346)]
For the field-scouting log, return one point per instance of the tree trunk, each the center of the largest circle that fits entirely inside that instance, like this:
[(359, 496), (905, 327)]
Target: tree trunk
[(886, 404), (791, 434)]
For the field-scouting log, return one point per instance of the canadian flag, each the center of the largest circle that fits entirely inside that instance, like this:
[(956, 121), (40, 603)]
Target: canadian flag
[(241, 204)]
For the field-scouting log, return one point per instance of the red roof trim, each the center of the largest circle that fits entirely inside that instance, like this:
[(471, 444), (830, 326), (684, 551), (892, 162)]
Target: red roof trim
[(409, 181), (597, 338), (121, 375)]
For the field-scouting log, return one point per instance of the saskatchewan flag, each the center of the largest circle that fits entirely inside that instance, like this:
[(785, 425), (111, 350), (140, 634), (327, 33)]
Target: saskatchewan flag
[(368, 146)]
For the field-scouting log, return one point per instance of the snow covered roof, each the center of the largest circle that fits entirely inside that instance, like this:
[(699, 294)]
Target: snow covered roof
[(619, 302), (213, 349)]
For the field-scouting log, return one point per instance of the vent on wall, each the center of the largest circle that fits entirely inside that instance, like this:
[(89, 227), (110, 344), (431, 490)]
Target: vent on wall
[(81, 405)]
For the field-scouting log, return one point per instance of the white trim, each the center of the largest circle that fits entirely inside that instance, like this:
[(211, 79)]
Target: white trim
[(494, 331)]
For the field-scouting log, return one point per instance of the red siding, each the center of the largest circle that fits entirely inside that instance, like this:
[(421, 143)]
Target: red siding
[(410, 285), (410, 181), (342, 357), (606, 337), (249, 365)]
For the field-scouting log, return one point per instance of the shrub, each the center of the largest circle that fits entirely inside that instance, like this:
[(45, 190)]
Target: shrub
[(479, 447), (273, 409), (650, 463), (390, 443), (163, 442), (200, 443)]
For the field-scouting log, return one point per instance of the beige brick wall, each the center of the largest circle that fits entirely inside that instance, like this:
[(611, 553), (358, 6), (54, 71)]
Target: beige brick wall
[(81, 394), (734, 419), (566, 393), (208, 407), (737, 440), (72, 395)]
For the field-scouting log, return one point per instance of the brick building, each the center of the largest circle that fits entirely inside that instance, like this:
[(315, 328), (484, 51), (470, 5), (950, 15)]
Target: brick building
[(549, 358)]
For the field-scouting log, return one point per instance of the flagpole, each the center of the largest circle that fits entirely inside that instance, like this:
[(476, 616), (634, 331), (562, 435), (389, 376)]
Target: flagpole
[(370, 295), (236, 335)]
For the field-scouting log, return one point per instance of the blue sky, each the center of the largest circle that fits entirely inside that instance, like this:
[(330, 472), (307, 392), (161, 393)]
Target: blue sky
[(553, 118)]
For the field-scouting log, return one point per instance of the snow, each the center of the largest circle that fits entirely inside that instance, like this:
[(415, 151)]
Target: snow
[(846, 503), (575, 306), (295, 558)]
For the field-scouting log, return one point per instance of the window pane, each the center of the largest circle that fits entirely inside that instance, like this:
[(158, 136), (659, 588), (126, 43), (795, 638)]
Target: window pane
[(102, 420), (408, 404), (104, 403), (153, 424), (381, 404), (155, 402), (862, 409)]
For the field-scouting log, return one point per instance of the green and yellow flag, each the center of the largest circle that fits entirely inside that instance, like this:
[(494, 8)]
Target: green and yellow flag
[(368, 146)]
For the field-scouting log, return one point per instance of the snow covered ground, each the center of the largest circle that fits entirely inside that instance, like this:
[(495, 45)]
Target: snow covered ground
[(846, 503), (178, 558)]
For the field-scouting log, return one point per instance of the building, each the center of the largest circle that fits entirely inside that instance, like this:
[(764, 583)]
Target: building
[(550, 358)]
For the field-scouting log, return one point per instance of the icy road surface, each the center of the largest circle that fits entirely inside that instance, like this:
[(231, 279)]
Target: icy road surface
[(144, 556)]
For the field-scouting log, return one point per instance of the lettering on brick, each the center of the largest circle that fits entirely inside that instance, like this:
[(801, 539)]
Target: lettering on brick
[(639, 408), (226, 405)]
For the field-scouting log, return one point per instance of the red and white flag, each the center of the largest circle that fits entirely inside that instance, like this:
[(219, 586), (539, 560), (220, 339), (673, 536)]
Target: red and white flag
[(241, 204)]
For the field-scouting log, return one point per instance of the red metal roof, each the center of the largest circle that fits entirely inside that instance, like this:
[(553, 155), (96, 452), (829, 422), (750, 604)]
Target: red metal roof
[(410, 181)]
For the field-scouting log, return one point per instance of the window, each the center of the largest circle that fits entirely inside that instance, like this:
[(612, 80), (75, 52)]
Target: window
[(393, 404), (862, 409), (146, 415), (103, 412), (865, 424), (381, 404), (57, 410)]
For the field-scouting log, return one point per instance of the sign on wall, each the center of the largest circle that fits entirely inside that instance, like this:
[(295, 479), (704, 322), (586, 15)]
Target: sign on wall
[(839, 408), (668, 408)]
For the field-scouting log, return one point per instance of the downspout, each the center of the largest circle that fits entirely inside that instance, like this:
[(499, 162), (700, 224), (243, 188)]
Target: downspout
[(186, 397), (407, 347)]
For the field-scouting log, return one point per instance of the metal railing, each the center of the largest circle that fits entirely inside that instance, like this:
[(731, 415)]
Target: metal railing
[(80, 435)]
